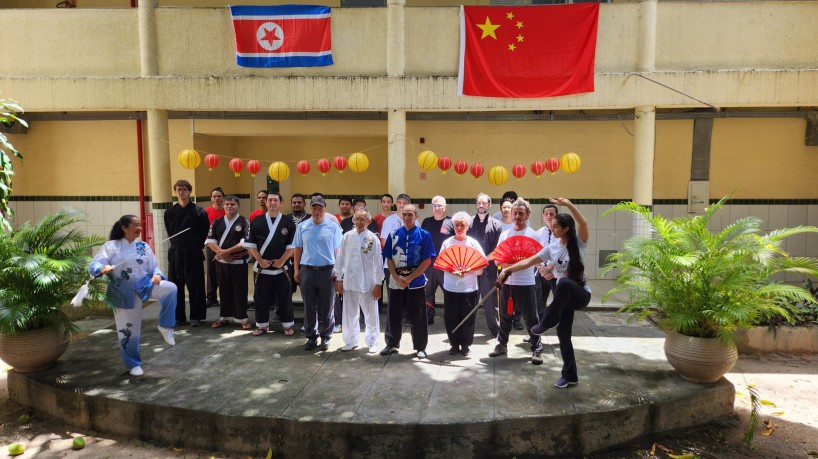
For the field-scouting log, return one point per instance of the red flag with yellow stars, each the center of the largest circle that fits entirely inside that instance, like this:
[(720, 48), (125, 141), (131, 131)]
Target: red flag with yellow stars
[(527, 51)]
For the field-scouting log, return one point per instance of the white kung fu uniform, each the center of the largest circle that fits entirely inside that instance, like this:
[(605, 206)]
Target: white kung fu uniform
[(359, 266), (129, 285)]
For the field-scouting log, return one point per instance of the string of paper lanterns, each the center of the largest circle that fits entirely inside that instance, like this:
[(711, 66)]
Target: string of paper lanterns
[(569, 162), (279, 170)]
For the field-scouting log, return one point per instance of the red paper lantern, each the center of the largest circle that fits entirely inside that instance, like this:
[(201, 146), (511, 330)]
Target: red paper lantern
[(552, 164), (324, 166), (211, 161), (253, 167), (461, 167), (303, 167), (236, 165), (444, 163), (518, 170), (537, 168), (477, 170), (340, 163)]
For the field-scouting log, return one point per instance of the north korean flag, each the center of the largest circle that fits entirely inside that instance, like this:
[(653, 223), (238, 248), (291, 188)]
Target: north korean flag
[(282, 36)]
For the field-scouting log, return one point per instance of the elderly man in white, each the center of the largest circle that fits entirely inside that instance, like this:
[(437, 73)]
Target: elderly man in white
[(359, 277)]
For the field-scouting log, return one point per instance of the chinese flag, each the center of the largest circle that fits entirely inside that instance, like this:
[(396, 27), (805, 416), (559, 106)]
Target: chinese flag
[(527, 51)]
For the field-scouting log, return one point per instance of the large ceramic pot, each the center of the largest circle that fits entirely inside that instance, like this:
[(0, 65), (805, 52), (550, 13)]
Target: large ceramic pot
[(33, 350), (703, 360)]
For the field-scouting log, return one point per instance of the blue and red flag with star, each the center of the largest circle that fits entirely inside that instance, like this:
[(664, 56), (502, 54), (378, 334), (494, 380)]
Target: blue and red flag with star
[(282, 36), (527, 51)]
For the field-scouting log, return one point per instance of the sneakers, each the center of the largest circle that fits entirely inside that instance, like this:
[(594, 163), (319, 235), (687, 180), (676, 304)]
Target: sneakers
[(324, 345), (422, 354), (499, 350), (311, 344), (195, 323), (538, 330), (562, 382), (517, 324), (526, 338), (167, 335), (536, 358), (454, 350), (465, 352), (348, 347), (137, 371), (388, 350), (373, 349), (337, 329)]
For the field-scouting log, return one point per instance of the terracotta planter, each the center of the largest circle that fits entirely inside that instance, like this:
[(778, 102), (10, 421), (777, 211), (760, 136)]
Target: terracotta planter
[(703, 360), (33, 350)]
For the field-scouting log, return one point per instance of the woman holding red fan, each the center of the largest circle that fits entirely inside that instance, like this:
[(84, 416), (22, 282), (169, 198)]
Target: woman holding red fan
[(462, 260), (572, 293)]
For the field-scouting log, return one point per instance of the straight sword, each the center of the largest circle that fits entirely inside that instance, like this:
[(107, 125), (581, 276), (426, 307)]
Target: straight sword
[(491, 292)]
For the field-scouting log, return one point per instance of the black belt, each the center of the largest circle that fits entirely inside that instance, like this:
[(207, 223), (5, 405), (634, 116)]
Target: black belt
[(317, 268)]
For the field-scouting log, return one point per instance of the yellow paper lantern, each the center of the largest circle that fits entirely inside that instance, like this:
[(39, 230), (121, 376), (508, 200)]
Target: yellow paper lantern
[(498, 175), (427, 160), (358, 162), (279, 171), (189, 159), (570, 162)]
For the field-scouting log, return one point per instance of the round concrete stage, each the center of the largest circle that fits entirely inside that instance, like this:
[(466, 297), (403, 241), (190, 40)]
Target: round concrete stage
[(225, 390)]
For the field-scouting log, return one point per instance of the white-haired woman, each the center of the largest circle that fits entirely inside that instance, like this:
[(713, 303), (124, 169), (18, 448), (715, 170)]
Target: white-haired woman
[(460, 290)]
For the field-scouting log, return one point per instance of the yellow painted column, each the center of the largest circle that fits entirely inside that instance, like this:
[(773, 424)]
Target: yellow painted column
[(159, 176), (644, 141), (396, 155), (147, 37), (395, 53)]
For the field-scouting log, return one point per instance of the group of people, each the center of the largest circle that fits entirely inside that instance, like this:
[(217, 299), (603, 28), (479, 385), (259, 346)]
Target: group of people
[(341, 262)]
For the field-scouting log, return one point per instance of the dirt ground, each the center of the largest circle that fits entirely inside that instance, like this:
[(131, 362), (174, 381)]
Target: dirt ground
[(788, 382)]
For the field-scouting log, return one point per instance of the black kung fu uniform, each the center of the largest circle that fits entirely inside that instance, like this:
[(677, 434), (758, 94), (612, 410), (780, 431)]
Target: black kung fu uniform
[(272, 285), (185, 257), (232, 273)]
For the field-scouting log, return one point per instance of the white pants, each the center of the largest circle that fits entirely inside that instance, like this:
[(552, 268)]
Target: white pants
[(354, 302), (129, 322)]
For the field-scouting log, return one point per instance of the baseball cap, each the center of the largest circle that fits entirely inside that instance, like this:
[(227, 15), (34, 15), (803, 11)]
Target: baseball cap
[(318, 201)]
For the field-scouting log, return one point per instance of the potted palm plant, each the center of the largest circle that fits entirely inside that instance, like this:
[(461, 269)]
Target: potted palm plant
[(704, 286), (42, 266)]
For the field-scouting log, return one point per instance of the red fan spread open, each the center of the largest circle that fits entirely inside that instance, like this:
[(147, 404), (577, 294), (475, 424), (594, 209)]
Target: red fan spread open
[(514, 249), (460, 259)]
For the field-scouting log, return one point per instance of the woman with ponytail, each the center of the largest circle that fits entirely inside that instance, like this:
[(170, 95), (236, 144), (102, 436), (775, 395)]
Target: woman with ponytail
[(133, 277), (566, 261)]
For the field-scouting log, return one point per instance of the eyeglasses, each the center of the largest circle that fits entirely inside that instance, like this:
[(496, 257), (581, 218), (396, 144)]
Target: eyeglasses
[(407, 214), (438, 206)]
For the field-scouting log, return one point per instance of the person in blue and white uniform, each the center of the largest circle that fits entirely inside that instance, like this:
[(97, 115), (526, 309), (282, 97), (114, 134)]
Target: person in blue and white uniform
[(134, 277)]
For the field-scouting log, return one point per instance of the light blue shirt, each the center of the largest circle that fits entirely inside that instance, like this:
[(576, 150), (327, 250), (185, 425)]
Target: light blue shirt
[(318, 241)]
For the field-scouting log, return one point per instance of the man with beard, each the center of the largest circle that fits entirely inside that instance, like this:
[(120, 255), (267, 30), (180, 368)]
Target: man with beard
[(486, 230)]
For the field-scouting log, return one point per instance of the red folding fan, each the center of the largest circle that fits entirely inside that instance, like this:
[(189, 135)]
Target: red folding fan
[(514, 249), (460, 259)]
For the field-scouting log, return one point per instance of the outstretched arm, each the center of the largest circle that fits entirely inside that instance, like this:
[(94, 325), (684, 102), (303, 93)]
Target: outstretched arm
[(582, 224)]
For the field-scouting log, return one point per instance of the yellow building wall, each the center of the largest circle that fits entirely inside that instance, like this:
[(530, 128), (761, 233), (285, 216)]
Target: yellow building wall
[(77, 158), (762, 158)]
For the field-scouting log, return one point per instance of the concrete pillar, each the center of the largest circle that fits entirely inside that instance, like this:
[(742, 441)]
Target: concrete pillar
[(646, 49), (147, 37), (395, 55), (159, 176), (396, 156)]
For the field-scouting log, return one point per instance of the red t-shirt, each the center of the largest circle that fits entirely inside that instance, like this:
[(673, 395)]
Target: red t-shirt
[(256, 213), (379, 218), (213, 214)]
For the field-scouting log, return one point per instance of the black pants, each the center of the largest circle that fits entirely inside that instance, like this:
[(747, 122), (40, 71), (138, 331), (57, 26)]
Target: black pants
[(485, 283), (273, 289), (524, 299), (569, 296), (434, 279), (455, 308), (233, 287), (212, 277), (317, 292), (412, 301), (186, 268), (544, 287)]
